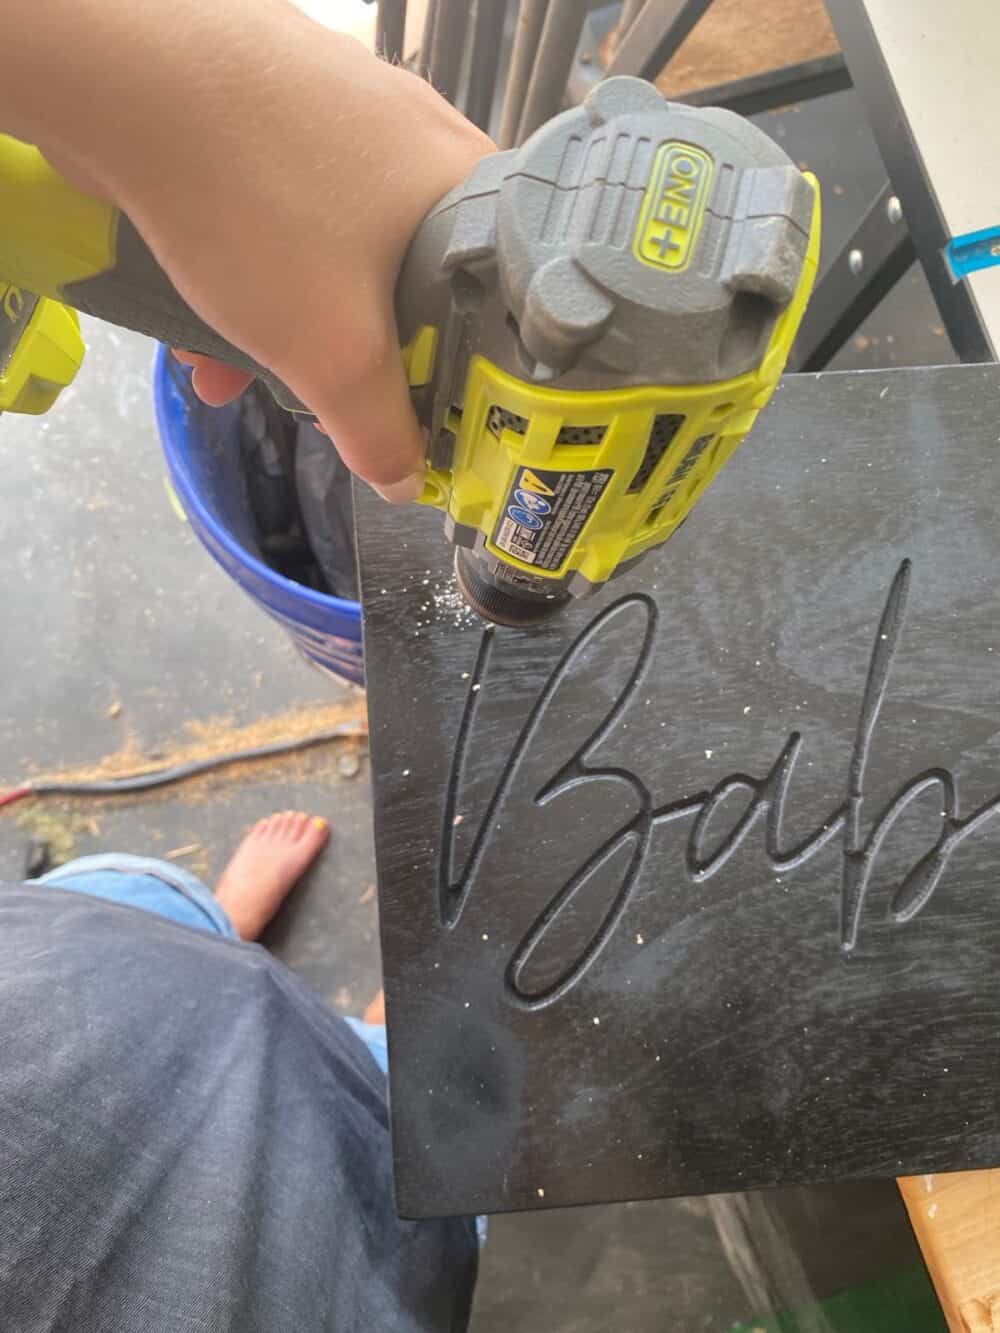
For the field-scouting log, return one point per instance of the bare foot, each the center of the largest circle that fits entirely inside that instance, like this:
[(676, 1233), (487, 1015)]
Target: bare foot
[(375, 1013), (262, 870)]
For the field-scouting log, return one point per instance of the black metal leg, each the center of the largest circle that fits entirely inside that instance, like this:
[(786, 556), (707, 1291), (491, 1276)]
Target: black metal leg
[(557, 46), (530, 18), (427, 39), (777, 87), (447, 45), (630, 12), (654, 36), (904, 162), (487, 35), (390, 26), (869, 265)]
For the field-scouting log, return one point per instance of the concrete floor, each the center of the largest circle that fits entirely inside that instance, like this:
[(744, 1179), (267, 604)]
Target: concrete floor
[(120, 631)]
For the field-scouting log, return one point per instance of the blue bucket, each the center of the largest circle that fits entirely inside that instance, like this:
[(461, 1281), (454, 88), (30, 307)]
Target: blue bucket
[(206, 476)]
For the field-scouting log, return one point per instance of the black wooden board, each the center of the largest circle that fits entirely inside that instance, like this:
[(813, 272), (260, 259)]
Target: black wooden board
[(698, 887)]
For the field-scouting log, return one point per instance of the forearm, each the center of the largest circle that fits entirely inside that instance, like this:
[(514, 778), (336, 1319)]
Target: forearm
[(276, 170), (121, 87)]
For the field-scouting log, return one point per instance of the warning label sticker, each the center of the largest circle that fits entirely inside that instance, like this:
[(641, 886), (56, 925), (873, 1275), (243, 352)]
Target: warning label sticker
[(545, 512), (531, 482)]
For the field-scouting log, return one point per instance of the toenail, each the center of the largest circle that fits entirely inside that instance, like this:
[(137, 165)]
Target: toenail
[(319, 821)]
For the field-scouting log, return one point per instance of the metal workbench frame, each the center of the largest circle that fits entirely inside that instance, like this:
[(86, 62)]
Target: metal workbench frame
[(512, 64), (877, 77)]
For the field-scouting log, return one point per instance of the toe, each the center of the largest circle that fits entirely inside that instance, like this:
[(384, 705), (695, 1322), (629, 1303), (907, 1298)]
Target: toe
[(284, 824), (262, 828), (314, 835), (298, 824)]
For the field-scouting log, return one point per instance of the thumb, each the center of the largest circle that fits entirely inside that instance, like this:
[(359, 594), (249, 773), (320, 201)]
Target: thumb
[(371, 421)]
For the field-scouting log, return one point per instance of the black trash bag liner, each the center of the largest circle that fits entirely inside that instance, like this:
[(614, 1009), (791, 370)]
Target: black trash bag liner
[(267, 435), (323, 485), (297, 491)]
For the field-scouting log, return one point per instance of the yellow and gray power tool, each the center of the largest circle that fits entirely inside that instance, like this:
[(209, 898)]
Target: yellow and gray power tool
[(590, 325)]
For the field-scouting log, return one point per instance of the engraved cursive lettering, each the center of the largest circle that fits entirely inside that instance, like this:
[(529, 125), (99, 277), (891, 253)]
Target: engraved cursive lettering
[(763, 800)]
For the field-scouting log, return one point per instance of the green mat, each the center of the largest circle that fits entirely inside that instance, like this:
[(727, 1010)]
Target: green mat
[(904, 1303)]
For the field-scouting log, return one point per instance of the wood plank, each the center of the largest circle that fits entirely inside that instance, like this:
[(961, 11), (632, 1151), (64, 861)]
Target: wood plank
[(775, 745), (956, 1218), (735, 40)]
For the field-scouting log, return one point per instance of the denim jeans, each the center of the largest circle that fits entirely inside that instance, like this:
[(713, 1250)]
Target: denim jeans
[(175, 893)]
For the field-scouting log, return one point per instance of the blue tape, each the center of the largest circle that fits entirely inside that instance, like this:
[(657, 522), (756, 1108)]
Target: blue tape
[(975, 250)]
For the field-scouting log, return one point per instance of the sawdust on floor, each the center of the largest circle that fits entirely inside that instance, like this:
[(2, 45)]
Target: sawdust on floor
[(211, 738), (319, 765), (57, 827)]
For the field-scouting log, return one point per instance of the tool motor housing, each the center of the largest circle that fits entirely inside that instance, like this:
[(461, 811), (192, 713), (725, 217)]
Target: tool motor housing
[(592, 323)]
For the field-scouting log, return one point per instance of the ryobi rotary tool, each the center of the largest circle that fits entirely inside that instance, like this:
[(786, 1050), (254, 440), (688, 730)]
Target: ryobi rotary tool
[(590, 325)]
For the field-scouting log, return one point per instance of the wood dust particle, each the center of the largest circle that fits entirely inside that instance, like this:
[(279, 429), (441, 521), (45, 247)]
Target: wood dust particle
[(191, 849)]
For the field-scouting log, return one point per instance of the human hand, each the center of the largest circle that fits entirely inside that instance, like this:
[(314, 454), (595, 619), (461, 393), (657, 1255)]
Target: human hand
[(393, 149), (278, 171)]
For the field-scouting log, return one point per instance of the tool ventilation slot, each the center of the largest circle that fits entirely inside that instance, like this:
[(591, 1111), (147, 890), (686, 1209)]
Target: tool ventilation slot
[(498, 419), (581, 435), (680, 481), (661, 437)]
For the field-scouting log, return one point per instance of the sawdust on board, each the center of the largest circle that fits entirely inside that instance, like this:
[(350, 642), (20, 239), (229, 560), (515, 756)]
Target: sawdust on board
[(213, 737)]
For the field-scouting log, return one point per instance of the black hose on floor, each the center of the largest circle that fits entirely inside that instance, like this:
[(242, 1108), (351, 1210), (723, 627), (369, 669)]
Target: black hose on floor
[(161, 777)]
